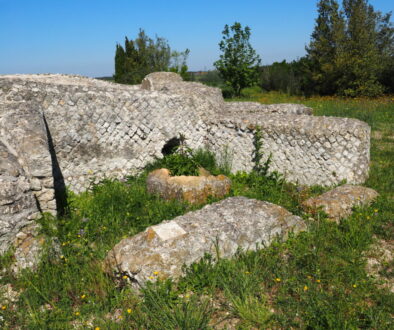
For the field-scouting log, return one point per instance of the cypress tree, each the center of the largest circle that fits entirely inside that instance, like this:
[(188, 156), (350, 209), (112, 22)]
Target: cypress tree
[(120, 58)]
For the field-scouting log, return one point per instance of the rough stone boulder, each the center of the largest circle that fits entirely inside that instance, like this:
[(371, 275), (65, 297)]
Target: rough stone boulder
[(160, 80), (232, 224), (194, 189), (338, 203), (170, 82)]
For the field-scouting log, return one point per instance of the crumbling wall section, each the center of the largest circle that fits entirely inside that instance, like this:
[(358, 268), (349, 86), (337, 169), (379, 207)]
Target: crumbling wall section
[(306, 150)]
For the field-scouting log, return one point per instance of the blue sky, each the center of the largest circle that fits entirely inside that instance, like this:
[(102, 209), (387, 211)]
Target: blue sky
[(79, 36)]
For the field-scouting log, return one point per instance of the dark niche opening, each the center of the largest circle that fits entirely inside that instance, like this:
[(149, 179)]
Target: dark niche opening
[(171, 146)]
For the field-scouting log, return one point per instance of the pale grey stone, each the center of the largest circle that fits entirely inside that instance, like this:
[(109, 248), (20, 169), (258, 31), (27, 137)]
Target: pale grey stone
[(236, 223)]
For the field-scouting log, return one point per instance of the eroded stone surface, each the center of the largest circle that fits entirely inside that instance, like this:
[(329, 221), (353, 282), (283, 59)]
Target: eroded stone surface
[(338, 202), (194, 189), (236, 222)]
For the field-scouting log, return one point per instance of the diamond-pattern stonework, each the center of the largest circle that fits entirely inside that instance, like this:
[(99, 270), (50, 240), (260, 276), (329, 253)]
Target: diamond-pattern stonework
[(59, 130)]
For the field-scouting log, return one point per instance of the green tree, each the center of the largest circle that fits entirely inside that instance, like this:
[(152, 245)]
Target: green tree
[(326, 41), (351, 50), (120, 61), (142, 56), (360, 61), (178, 64), (239, 63)]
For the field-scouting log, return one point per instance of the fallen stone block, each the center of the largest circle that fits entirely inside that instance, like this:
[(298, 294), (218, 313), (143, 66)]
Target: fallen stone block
[(339, 202), (224, 227), (194, 189)]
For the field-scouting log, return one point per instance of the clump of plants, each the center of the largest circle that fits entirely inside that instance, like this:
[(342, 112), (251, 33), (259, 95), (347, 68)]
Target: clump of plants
[(183, 160)]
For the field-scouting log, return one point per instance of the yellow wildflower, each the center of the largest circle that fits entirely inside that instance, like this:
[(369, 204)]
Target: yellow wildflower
[(277, 279), (151, 277), (354, 285), (129, 310), (4, 307), (305, 288), (318, 281), (97, 328), (83, 296), (376, 210), (77, 313), (124, 277), (156, 273)]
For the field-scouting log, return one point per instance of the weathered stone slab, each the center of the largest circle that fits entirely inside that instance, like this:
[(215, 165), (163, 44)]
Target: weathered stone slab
[(339, 202), (232, 224), (194, 189)]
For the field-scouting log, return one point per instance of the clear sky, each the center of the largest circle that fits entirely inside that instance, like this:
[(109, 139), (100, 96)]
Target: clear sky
[(79, 36)]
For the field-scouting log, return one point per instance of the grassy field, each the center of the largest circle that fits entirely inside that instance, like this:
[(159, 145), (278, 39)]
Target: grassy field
[(316, 280)]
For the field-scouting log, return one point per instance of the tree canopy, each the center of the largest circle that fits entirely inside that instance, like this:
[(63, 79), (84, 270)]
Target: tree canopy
[(351, 49), (239, 63), (144, 55)]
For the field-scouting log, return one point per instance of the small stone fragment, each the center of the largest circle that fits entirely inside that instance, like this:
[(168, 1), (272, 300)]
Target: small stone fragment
[(338, 202)]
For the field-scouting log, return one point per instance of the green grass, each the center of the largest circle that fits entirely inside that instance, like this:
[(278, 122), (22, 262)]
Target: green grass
[(314, 280)]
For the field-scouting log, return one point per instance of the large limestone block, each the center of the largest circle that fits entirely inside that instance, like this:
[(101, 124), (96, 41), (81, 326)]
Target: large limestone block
[(172, 82), (232, 224), (194, 189), (160, 80), (338, 202)]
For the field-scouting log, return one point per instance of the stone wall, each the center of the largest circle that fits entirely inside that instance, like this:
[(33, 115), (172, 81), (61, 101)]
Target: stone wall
[(305, 149), (63, 130)]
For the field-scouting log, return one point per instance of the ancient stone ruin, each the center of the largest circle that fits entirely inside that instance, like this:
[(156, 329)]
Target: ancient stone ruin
[(58, 131)]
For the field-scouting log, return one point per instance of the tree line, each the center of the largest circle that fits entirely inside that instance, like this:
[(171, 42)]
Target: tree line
[(144, 55), (351, 53)]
